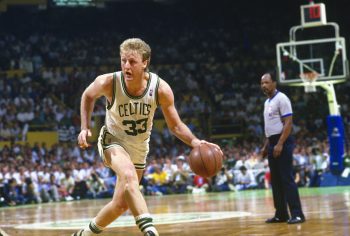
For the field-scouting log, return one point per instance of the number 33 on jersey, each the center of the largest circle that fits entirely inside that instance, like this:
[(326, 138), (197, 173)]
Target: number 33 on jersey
[(130, 115)]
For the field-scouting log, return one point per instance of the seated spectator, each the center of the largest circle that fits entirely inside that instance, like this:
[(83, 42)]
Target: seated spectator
[(245, 179), (169, 168), (157, 182), (67, 186), (267, 179), (223, 181), (180, 177), (30, 191), (97, 187), (43, 188), (200, 184), (318, 165), (80, 189), (53, 188), (13, 194)]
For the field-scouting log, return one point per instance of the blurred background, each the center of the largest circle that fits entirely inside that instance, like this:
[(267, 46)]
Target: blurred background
[(212, 53)]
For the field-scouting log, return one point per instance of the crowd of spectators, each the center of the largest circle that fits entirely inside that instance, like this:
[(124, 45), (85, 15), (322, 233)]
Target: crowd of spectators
[(64, 172), (213, 67), (43, 174)]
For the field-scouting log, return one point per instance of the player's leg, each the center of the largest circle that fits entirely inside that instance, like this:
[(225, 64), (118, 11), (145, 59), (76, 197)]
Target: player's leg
[(127, 194), (143, 220), (129, 179), (116, 207)]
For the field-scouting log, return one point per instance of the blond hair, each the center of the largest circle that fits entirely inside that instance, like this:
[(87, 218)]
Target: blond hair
[(139, 46)]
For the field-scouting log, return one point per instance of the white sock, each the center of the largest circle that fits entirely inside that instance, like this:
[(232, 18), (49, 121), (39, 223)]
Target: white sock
[(93, 229), (145, 223)]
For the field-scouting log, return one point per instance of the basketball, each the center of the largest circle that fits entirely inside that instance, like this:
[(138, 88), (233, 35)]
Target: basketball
[(205, 160)]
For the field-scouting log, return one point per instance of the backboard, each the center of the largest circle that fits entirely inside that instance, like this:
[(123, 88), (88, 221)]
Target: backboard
[(313, 61), (325, 57), (314, 55)]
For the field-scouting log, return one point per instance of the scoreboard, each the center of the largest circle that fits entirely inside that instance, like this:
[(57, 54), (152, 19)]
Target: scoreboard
[(313, 15), (78, 3)]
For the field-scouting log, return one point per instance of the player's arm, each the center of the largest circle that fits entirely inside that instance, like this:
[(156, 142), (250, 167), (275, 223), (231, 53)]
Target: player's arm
[(287, 129), (174, 123), (101, 86)]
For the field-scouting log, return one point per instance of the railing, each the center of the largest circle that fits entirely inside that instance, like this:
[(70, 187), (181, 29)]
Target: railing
[(225, 128)]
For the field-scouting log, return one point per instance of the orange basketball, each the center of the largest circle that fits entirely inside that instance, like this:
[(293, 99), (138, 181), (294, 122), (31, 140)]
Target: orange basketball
[(205, 160)]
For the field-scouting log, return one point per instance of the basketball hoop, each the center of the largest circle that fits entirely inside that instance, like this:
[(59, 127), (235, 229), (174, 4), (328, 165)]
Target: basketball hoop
[(309, 79)]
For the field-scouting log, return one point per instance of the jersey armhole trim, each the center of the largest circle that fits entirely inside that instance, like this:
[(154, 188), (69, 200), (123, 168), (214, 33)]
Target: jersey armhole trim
[(109, 105), (156, 93)]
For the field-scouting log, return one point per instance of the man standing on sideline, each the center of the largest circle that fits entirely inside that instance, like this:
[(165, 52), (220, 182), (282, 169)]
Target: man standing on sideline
[(278, 147), (132, 96)]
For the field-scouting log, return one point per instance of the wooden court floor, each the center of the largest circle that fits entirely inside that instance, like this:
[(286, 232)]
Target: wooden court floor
[(232, 213)]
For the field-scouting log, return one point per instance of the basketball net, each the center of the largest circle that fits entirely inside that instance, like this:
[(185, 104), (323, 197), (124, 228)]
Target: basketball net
[(309, 79)]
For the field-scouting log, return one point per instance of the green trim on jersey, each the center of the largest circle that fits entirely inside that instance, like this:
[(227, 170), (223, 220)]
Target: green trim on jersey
[(109, 105), (107, 145), (156, 92), (135, 97), (140, 166)]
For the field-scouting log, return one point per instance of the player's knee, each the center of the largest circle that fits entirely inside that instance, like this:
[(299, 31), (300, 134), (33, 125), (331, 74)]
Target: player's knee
[(131, 181), (131, 187), (129, 175)]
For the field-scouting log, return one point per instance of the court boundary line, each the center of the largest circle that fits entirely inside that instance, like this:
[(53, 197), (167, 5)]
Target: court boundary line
[(184, 217), (2, 233)]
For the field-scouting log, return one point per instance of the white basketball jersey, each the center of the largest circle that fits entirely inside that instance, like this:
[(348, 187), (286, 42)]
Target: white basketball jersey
[(130, 118)]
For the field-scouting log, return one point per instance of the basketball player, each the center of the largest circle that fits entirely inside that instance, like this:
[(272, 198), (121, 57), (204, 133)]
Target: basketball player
[(132, 95), (278, 147)]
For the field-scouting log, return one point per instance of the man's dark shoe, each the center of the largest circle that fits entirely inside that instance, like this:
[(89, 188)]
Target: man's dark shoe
[(275, 220), (296, 220)]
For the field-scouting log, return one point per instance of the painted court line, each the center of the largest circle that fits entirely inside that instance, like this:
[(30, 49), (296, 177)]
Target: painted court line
[(128, 221), (2, 233)]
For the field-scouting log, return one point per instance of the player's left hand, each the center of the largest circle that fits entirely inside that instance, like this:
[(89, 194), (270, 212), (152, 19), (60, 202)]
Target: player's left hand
[(217, 147)]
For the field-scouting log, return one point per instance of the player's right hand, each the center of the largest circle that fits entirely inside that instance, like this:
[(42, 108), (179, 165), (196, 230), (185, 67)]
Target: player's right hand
[(82, 138)]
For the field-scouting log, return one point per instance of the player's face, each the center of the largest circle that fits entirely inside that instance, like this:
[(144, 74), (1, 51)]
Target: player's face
[(132, 64), (268, 86)]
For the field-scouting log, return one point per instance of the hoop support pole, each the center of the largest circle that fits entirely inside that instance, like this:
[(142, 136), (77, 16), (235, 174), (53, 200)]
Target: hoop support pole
[(334, 108)]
